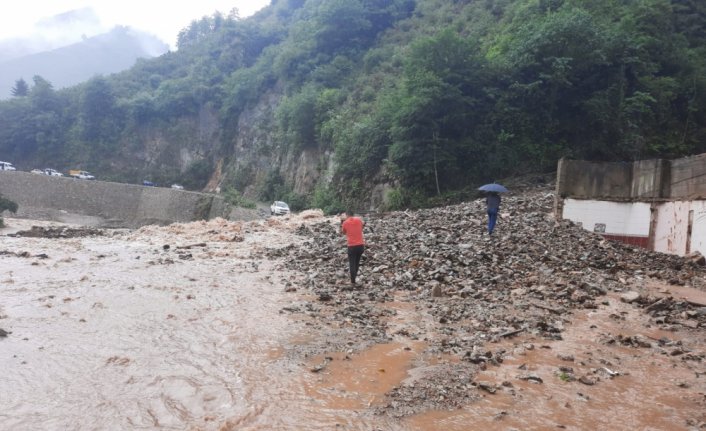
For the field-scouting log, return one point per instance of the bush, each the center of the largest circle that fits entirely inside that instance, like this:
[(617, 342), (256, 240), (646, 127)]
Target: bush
[(394, 200), (327, 200), (233, 197), (6, 205)]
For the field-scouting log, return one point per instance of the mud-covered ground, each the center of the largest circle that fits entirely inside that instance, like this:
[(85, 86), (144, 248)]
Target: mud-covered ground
[(254, 326)]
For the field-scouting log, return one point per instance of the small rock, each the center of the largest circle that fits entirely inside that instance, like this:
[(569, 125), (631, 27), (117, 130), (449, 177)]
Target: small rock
[(693, 324), (568, 358), (697, 258), (586, 380), (630, 297), (531, 378), (487, 386)]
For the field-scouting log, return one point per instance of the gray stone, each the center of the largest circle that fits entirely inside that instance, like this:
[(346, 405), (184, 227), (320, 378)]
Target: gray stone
[(630, 297)]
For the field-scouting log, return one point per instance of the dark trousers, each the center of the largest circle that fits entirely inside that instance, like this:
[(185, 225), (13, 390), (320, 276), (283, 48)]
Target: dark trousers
[(492, 218), (354, 254)]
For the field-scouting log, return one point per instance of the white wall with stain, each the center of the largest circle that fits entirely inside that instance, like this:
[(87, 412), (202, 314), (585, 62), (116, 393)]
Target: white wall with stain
[(698, 233), (619, 218), (671, 234), (671, 227)]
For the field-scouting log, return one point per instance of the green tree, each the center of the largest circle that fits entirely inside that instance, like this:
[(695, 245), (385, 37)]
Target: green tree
[(436, 106), (97, 110), (21, 89)]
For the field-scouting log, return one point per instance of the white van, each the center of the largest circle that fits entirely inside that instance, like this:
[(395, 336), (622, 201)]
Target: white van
[(7, 166)]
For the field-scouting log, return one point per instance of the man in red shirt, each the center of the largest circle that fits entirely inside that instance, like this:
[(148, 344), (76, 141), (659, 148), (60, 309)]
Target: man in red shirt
[(352, 227)]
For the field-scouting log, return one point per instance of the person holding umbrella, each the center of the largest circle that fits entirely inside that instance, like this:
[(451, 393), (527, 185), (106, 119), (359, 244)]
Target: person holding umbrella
[(492, 202)]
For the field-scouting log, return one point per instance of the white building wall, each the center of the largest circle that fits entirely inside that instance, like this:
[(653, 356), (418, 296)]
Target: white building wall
[(671, 227), (698, 232), (619, 218)]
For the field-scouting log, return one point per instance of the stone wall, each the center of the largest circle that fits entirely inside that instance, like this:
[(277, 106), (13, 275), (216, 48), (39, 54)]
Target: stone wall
[(105, 203)]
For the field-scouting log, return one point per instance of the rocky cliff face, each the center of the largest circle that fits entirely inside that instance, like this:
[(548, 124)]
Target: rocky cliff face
[(245, 160), (256, 152)]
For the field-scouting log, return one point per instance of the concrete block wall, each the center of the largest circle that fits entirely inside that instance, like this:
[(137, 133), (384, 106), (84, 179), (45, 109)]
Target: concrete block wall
[(582, 179), (646, 180), (688, 178), (120, 205), (650, 179)]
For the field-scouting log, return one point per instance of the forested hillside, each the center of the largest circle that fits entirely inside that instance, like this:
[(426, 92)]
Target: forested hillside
[(331, 102)]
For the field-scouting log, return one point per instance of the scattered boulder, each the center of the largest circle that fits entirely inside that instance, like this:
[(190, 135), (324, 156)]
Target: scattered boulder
[(630, 297)]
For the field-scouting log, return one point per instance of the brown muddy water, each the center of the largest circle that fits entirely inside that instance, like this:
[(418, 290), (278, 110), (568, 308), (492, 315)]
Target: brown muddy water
[(120, 332)]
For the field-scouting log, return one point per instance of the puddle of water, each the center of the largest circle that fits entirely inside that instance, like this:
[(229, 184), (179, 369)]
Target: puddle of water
[(361, 380)]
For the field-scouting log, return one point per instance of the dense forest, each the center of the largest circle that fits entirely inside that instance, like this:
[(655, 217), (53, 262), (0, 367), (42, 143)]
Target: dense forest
[(429, 97)]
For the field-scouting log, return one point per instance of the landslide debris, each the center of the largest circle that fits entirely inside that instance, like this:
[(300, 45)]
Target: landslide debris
[(472, 288), (59, 232)]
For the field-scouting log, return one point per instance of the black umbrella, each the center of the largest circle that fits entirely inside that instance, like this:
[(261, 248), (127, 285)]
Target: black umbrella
[(494, 187)]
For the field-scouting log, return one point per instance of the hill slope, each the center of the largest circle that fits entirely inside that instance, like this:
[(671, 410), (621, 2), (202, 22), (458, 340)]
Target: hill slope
[(383, 103), (104, 54)]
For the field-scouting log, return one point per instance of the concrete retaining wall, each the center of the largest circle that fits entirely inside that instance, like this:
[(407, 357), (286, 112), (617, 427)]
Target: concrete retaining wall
[(688, 178), (108, 204), (645, 180), (581, 179)]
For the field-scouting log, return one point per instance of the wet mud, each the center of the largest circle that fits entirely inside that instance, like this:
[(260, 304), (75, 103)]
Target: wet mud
[(587, 381)]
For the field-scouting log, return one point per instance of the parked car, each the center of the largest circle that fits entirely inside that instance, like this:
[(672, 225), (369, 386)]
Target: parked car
[(52, 172), (148, 183), (37, 171), (83, 175), (177, 187), (7, 166), (279, 208)]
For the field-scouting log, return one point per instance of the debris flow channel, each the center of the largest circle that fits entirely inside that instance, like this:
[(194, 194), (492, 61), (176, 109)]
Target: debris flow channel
[(254, 326)]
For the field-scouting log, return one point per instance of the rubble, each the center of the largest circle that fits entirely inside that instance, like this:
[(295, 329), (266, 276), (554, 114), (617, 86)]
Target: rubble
[(58, 232), (529, 277)]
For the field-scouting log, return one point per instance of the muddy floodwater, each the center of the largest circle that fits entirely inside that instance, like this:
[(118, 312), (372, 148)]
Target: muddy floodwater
[(129, 331), (182, 327)]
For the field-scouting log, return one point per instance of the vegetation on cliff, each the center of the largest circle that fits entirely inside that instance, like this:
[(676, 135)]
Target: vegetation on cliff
[(429, 96)]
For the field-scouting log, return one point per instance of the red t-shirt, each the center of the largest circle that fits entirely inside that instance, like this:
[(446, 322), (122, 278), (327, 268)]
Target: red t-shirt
[(353, 228)]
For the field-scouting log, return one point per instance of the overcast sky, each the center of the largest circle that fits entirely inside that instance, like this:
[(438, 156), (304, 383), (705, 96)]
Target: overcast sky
[(163, 18)]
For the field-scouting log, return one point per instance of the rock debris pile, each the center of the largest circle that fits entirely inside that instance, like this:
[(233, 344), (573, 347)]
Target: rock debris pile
[(59, 232), (525, 277), (471, 288)]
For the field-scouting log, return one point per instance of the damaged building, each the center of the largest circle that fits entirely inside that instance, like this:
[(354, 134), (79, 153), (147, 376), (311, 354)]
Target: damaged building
[(657, 204)]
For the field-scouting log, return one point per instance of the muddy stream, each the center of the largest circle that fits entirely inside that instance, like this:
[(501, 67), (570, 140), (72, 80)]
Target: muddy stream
[(182, 327), (123, 332)]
